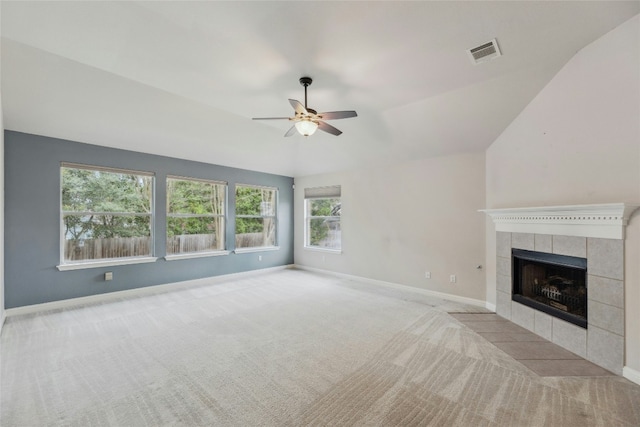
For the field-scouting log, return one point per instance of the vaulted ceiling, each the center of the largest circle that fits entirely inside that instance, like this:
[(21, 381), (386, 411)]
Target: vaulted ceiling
[(183, 79)]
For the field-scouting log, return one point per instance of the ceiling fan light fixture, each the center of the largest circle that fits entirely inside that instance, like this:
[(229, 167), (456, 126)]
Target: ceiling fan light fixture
[(306, 127), (307, 120)]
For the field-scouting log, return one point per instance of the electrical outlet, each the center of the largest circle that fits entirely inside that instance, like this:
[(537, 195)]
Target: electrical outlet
[(452, 278), (427, 275), (259, 257), (108, 275)]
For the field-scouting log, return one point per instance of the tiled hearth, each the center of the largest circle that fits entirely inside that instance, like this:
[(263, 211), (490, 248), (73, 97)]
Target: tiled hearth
[(539, 355), (594, 232)]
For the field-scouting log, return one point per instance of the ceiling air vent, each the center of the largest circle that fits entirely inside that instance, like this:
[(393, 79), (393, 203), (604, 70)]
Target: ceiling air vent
[(484, 52)]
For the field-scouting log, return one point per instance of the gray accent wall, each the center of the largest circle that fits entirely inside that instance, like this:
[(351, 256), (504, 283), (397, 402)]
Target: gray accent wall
[(32, 222)]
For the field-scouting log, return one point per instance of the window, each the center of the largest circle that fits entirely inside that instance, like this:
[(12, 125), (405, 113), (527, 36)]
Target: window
[(106, 214), (195, 215), (322, 218), (255, 216)]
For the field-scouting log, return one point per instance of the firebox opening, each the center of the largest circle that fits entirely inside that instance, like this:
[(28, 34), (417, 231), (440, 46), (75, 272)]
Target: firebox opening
[(554, 284)]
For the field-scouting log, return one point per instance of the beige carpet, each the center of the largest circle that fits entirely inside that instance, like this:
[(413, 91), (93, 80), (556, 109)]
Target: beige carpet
[(288, 348)]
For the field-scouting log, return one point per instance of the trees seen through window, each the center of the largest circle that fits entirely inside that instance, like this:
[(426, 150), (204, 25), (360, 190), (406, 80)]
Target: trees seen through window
[(195, 215), (105, 213)]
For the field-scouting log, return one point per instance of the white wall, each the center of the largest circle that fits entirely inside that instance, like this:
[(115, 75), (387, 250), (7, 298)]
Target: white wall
[(578, 142), (2, 313), (401, 220)]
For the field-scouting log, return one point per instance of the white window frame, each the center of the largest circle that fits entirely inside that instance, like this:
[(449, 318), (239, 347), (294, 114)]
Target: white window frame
[(107, 262), (274, 217), (320, 193), (224, 216)]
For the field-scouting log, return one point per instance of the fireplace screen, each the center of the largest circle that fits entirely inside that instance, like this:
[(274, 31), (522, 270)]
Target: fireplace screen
[(554, 284)]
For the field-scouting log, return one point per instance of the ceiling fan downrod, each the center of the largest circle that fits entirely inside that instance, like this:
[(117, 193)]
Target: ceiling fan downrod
[(305, 81)]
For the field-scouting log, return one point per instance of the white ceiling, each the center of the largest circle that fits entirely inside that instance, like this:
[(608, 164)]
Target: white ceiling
[(183, 79)]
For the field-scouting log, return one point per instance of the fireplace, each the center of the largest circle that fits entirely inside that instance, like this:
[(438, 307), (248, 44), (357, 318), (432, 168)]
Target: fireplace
[(554, 284), (592, 232)]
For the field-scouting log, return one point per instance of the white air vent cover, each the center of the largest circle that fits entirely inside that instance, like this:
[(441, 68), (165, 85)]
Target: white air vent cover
[(485, 52)]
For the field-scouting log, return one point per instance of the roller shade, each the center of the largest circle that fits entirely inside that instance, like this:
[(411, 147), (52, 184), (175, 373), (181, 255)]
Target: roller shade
[(322, 192)]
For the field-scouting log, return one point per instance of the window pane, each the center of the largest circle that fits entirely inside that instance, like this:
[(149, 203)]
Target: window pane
[(92, 237), (323, 223), (255, 216), (86, 190), (191, 233), (194, 234), (195, 197), (105, 213), (255, 201), (255, 232), (325, 233), (324, 207)]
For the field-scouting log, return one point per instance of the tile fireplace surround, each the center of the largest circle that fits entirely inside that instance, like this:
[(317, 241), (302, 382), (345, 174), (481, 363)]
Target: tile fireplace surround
[(594, 232)]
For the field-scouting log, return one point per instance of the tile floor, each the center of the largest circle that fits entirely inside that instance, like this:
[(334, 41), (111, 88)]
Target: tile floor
[(539, 355)]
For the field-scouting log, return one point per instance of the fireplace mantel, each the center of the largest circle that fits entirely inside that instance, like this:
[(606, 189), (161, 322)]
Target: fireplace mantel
[(606, 221)]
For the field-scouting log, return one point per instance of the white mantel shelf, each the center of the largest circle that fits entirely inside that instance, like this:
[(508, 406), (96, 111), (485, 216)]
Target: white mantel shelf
[(607, 221)]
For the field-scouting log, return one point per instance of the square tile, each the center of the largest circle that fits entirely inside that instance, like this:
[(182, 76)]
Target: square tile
[(502, 326), (607, 291), (570, 245), (606, 317), (542, 324), (503, 244), (569, 336), (606, 258), (476, 317), (542, 243), (522, 315), (565, 368), (503, 304), (503, 283), (503, 267), (535, 350), (494, 337), (522, 241), (606, 349)]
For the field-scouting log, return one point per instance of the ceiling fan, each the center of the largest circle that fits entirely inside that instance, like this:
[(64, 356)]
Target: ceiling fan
[(306, 120)]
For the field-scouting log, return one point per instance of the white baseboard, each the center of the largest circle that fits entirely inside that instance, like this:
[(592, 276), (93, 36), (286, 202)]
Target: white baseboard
[(148, 290), (151, 290), (631, 374), (441, 295), (489, 306)]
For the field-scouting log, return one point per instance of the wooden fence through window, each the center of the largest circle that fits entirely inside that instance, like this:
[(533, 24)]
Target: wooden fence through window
[(122, 247), (115, 247)]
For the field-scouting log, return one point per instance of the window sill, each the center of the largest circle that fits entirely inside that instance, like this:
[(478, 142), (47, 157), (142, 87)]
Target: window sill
[(318, 249), (257, 249), (192, 255), (105, 263)]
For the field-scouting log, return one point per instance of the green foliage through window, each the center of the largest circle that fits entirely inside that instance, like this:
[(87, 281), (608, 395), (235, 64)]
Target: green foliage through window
[(255, 216), (323, 223), (195, 215), (105, 213)]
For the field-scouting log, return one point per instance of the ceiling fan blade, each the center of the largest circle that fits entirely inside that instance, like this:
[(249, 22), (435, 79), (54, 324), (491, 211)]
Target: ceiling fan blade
[(333, 115), (291, 131), (328, 128), (271, 118), (298, 106)]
